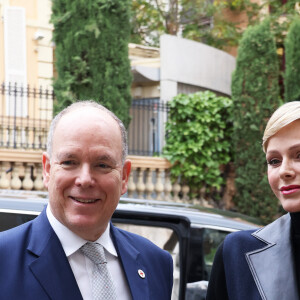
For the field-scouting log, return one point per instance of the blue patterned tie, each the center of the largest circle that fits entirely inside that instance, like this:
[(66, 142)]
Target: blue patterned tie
[(103, 286)]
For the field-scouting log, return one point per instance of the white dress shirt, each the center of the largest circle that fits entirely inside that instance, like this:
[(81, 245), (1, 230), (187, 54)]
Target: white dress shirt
[(82, 266)]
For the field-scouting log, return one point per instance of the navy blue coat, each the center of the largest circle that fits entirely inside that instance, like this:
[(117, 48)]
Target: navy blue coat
[(255, 265), (33, 265)]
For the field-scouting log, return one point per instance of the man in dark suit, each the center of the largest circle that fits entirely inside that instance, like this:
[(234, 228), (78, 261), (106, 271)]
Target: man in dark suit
[(85, 171)]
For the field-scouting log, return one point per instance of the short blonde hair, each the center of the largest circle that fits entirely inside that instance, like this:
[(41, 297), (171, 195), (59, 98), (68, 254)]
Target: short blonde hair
[(284, 115)]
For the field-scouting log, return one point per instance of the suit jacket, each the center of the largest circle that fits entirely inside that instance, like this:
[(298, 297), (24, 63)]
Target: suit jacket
[(33, 265), (255, 265)]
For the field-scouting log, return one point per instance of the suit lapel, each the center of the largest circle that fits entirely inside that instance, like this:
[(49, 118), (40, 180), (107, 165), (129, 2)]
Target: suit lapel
[(51, 267), (273, 266), (131, 261)]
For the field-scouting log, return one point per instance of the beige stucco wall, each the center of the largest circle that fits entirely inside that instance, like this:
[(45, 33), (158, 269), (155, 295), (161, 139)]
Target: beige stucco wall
[(39, 52)]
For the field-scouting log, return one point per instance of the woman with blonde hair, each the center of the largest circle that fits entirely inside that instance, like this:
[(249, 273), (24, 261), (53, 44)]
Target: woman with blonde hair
[(265, 264)]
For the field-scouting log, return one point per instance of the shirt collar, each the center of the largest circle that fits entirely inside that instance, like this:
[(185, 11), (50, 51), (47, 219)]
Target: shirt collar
[(72, 242)]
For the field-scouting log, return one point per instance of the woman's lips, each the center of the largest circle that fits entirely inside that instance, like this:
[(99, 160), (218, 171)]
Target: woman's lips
[(289, 189)]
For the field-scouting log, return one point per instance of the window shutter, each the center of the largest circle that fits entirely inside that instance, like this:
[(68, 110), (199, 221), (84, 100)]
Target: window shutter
[(15, 60)]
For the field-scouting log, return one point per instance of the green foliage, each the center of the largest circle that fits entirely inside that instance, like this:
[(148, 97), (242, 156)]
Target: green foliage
[(255, 95), (146, 23), (205, 21), (198, 138), (292, 56), (199, 20), (91, 38)]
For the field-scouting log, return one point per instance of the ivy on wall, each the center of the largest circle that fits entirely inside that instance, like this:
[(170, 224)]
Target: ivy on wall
[(91, 39), (198, 138)]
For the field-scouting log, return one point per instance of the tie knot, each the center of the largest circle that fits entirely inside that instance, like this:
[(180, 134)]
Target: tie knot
[(95, 252)]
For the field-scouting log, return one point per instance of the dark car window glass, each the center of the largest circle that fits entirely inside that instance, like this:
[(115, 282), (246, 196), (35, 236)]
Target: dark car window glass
[(10, 220), (164, 238), (203, 246), (211, 240)]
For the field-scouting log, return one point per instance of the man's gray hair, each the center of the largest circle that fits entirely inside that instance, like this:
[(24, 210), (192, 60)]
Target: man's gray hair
[(81, 104)]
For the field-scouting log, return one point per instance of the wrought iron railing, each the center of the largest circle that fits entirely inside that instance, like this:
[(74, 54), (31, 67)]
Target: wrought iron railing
[(146, 132), (25, 116), (26, 113)]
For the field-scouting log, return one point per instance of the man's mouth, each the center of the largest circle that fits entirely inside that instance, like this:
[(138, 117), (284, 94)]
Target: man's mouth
[(81, 200)]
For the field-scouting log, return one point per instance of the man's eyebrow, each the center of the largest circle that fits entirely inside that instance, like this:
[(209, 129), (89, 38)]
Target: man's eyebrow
[(106, 157), (66, 155)]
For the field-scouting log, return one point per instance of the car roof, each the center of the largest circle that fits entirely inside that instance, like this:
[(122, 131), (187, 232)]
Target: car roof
[(196, 214), (33, 202)]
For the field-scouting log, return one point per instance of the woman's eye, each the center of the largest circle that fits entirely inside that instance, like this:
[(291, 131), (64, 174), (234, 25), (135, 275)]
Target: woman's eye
[(274, 162)]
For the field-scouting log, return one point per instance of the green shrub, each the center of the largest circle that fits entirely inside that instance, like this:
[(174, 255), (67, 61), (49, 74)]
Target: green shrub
[(292, 59), (91, 38), (198, 138), (255, 95)]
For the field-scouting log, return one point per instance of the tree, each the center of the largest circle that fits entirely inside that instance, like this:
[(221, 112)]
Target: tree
[(255, 95), (199, 20), (207, 21), (292, 58), (91, 38)]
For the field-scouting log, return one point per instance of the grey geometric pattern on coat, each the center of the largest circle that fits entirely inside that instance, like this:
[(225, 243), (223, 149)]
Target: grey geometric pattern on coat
[(103, 286)]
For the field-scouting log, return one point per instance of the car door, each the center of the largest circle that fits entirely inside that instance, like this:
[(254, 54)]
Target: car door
[(170, 233)]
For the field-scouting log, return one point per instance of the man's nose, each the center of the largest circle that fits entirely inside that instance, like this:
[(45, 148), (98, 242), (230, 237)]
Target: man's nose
[(286, 169), (85, 177)]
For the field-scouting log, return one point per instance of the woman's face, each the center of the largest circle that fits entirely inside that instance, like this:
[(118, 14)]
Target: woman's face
[(283, 157)]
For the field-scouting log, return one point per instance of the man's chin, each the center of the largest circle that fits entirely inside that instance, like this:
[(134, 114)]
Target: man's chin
[(86, 228)]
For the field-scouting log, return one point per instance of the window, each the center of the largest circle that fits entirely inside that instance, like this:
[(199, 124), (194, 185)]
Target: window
[(10, 220), (15, 60)]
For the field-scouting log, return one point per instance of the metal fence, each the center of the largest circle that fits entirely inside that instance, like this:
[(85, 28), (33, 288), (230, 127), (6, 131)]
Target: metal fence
[(146, 132), (25, 116), (26, 113)]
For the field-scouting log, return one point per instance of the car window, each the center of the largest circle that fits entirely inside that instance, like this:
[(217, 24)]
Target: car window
[(10, 220), (212, 238), (204, 243), (166, 239)]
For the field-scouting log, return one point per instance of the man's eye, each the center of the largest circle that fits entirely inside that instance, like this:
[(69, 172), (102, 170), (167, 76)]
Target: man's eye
[(274, 162), (68, 163), (103, 166)]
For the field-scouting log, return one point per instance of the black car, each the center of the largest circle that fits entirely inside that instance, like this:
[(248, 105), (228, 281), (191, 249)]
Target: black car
[(190, 233)]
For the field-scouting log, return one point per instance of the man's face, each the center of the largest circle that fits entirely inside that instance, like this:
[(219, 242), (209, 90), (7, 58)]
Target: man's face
[(85, 177)]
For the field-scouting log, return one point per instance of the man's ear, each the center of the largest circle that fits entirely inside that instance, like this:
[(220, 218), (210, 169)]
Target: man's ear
[(125, 175), (46, 169)]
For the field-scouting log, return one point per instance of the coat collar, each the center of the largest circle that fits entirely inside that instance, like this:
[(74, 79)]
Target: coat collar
[(273, 267), (131, 262), (51, 267)]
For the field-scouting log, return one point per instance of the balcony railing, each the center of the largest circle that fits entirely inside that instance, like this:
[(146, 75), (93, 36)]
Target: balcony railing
[(149, 178)]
